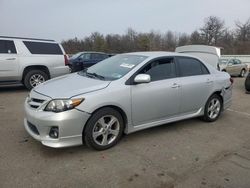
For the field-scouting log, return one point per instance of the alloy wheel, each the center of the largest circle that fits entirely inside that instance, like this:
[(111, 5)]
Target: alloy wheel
[(36, 79), (242, 73), (106, 130), (214, 108)]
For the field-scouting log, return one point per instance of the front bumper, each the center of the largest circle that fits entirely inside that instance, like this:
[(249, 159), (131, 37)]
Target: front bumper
[(227, 97), (70, 124)]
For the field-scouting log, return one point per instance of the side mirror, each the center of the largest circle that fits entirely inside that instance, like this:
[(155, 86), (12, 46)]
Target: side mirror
[(230, 64), (142, 78)]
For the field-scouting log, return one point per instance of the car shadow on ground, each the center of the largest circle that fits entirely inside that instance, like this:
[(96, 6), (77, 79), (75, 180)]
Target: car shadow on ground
[(13, 88), (132, 138)]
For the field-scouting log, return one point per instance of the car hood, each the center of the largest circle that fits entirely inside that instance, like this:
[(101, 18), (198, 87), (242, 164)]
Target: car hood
[(70, 85)]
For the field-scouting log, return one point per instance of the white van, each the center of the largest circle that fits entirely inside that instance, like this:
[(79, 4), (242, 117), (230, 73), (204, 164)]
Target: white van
[(208, 54), (30, 61)]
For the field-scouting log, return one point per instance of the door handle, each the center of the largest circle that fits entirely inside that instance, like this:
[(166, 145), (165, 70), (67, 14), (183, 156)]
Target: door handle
[(11, 58), (175, 85), (209, 81)]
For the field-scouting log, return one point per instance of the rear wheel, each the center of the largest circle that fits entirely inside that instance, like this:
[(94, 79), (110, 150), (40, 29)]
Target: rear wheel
[(242, 73), (34, 78), (104, 129), (213, 108)]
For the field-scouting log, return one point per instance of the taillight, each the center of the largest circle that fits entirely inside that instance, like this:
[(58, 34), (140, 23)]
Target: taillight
[(66, 60), (231, 80)]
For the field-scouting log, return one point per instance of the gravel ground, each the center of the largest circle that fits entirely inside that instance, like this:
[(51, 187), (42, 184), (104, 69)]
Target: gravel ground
[(189, 153)]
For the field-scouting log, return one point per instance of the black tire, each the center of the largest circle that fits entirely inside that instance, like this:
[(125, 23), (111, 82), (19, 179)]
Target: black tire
[(88, 133), (70, 69), (247, 83), (206, 117), (242, 73), (28, 76)]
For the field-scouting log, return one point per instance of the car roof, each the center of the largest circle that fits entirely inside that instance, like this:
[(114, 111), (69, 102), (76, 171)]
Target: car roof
[(92, 52), (23, 38), (155, 54)]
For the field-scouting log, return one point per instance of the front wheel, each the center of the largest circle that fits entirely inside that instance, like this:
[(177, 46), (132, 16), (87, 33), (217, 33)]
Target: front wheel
[(213, 108), (104, 129)]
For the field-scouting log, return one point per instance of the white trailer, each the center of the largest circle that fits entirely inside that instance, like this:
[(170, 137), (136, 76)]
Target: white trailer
[(208, 54)]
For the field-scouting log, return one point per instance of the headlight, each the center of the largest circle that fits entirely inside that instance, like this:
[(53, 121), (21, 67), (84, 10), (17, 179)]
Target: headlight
[(60, 105)]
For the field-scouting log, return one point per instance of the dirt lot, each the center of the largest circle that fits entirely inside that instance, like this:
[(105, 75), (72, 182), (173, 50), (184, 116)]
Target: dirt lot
[(185, 154)]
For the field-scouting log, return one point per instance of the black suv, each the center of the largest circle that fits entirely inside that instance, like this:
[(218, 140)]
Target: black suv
[(84, 60)]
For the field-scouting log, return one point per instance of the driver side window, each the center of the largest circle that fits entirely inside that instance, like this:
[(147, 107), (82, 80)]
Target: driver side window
[(160, 69)]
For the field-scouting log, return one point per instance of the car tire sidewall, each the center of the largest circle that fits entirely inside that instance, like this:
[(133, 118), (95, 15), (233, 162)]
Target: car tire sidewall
[(87, 134), (242, 73), (30, 74), (206, 116)]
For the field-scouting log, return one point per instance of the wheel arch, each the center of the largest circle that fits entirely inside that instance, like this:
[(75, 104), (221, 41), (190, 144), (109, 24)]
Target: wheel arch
[(118, 109), (219, 94), (35, 67)]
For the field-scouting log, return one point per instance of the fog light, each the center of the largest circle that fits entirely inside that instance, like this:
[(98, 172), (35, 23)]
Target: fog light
[(54, 133)]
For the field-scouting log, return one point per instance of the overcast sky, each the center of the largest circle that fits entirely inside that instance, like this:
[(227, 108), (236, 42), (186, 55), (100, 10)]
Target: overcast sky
[(64, 19)]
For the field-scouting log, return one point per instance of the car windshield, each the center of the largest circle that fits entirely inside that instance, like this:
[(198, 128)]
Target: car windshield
[(76, 55), (223, 61), (114, 67)]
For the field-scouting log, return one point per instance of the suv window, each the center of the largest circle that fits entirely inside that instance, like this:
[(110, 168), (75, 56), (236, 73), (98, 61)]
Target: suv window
[(7, 47), (43, 48), (191, 67), (160, 69)]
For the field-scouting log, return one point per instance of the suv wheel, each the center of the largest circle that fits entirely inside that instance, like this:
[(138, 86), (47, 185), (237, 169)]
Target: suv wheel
[(213, 108), (242, 73), (104, 129), (34, 78)]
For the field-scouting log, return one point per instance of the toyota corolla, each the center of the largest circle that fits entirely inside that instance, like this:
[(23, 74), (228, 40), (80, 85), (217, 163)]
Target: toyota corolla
[(124, 94)]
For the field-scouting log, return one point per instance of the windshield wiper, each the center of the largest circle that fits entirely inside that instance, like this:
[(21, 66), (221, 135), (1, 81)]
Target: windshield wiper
[(94, 75)]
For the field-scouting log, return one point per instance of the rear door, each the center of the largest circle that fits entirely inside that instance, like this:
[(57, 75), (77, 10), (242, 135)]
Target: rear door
[(239, 66), (9, 66), (159, 99), (195, 83), (232, 67)]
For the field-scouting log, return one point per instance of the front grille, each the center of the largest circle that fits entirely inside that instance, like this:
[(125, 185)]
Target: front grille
[(37, 100), (33, 128), (35, 103)]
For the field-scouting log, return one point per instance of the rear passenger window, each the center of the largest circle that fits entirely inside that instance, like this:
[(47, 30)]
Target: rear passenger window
[(43, 48), (191, 67), (98, 56), (160, 69), (7, 47)]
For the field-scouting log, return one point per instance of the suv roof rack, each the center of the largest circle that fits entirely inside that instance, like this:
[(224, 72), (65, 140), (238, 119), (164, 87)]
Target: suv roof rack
[(27, 38)]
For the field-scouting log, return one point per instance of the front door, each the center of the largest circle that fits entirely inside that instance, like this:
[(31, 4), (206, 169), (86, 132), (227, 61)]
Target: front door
[(159, 99)]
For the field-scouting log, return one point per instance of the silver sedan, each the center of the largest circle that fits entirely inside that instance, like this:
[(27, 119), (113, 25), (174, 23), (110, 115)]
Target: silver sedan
[(233, 66), (124, 94)]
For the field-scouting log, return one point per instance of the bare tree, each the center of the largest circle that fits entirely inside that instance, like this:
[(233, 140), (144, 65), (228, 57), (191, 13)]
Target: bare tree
[(183, 39), (196, 38), (243, 30), (212, 30)]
